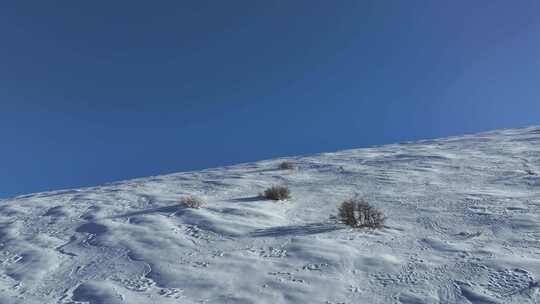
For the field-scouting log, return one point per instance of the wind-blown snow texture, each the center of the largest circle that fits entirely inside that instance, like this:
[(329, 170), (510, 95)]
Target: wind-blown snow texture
[(463, 227)]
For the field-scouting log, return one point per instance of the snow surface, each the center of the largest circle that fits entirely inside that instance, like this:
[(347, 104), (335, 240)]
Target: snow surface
[(463, 227)]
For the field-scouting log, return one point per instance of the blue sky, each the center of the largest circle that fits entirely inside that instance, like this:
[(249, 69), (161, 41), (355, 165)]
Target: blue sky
[(98, 91)]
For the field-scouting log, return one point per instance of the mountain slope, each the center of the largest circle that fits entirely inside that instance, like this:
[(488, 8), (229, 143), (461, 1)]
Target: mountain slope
[(463, 227)]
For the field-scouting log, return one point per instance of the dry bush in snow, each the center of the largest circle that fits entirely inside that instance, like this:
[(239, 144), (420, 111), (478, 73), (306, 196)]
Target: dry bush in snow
[(286, 165), (277, 193), (530, 172), (358, 213), (192, 202)]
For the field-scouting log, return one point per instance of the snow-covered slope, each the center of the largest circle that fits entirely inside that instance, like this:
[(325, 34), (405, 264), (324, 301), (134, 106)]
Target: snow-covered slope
[(463, 227)]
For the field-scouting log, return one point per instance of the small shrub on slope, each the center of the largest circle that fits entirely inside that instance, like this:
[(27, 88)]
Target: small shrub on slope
[(192, 202), (358, 214), (530, 172), (277, 193), (286, 165)]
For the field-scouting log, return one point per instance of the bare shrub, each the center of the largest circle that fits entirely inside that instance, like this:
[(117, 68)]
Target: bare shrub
[(192, 202), (286, 165), (358, 213), (277, 193), (530, 172)]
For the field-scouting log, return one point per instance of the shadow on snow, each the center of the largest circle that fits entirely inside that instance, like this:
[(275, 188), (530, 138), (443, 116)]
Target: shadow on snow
[(308, 229), (248, 199)]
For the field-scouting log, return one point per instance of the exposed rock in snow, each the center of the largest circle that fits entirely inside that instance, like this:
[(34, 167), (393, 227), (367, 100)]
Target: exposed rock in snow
[(463, 226)]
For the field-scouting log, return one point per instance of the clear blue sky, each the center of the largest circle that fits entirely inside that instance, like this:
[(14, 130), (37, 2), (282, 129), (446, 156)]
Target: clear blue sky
[(98, 91)]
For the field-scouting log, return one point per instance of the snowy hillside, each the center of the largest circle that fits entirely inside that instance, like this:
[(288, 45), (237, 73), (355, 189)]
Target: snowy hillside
[(463, 226)]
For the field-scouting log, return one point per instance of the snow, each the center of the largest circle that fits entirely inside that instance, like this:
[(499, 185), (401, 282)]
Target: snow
[(463, 226)]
